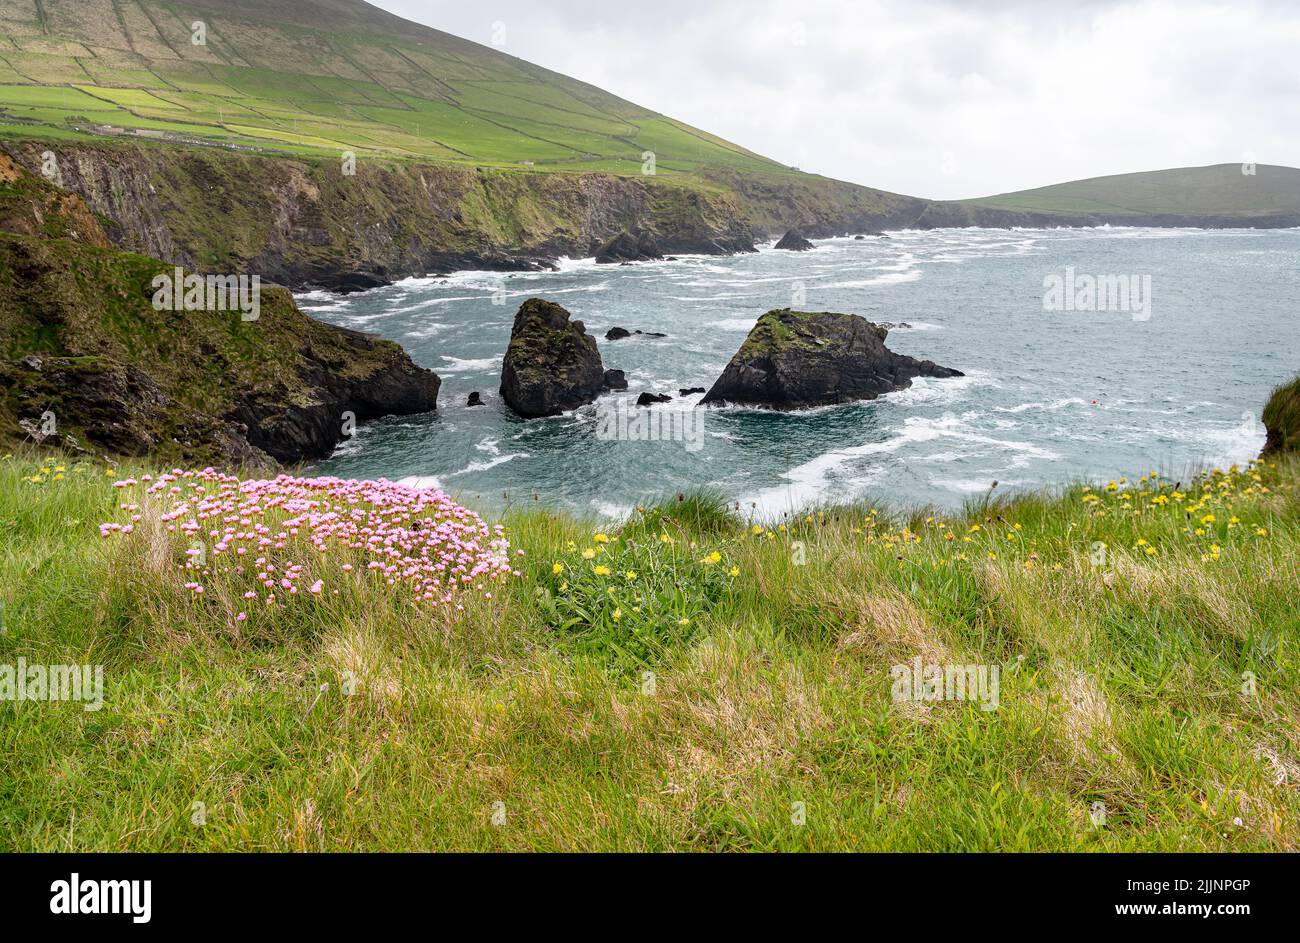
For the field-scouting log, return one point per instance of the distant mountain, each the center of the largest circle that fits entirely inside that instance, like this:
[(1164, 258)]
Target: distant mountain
[(1265, 194)]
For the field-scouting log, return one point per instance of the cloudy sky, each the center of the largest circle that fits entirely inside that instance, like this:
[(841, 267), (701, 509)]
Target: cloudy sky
[(935, 98)]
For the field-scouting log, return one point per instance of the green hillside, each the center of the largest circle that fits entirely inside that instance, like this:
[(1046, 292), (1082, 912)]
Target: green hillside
[(319, 77), (1217, 190)]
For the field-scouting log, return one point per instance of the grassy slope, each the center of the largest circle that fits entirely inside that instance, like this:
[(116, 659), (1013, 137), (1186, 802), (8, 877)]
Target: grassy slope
[(1122, 684), (1220, 189), (319, 78)]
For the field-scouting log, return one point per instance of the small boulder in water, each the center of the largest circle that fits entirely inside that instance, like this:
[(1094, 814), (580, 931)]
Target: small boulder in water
[(626, 247), (615, 380), (475, 399), (691, 391), (617, 333), (794, 242), (649, 399)]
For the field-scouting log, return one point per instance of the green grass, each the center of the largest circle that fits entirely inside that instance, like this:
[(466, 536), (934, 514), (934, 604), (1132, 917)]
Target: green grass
[(1282, 418), (380, 87), (1218, 190), (1123, 682)]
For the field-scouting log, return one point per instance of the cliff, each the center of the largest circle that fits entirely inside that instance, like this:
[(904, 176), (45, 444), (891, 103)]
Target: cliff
[(89, 362)]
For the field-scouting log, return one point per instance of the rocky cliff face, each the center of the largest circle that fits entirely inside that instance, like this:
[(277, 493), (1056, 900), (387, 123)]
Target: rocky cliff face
[(798, 360), (89, 362), (306, 223)]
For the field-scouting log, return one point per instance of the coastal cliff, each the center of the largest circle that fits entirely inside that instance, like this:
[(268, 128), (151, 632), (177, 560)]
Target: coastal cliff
[(304, 223), (90, 362)]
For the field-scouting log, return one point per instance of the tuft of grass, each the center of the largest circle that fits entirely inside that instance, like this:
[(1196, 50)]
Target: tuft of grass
[(1282, 418), (1144, 634)]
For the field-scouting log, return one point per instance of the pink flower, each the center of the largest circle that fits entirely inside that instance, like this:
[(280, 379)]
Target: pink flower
[(316, 586)]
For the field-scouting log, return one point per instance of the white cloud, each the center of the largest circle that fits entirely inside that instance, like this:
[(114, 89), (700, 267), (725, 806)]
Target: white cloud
[(934, 98)]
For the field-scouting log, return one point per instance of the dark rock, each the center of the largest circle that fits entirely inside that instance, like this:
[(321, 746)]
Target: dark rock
[(127, 378), (347, 283), (859, 237), (618, 333), (691, 391), (626, 247), (552, 364), (798, 360), (794, 241), (475, 399), (615, 380), (390, 385), (649, 399)]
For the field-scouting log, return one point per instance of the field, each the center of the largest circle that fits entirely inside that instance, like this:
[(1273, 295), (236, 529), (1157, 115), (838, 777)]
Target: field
[(270, 77), (690, 680)]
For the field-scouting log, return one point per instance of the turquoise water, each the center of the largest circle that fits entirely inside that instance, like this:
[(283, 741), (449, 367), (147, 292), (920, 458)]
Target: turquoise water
[(1049, 396)]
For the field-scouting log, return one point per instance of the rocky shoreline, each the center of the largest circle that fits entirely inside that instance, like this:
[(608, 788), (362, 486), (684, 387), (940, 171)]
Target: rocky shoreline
[(304, 224)]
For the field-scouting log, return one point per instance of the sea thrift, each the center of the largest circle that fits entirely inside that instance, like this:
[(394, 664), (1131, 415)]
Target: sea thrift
[(314, 532)]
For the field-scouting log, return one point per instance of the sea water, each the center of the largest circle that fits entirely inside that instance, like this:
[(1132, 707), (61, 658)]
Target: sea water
[(1172, 379)]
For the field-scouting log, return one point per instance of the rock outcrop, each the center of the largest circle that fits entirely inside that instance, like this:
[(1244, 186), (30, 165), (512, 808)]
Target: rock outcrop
[(552, 364), (618, 333), (626, 247), (794, 242), (798, 360), (650, 399), (117, 376), (92, 361), (615, 380)]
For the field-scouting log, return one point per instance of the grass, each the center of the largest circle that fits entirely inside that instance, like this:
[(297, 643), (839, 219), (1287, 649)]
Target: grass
[(1218, 190), (1145, 633), (1282, 418), (290, 77)]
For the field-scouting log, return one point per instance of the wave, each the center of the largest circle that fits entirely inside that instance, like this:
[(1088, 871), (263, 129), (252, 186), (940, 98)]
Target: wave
[(423, 482), (811, 480), (490, 463), (459, 365), (893, 278)]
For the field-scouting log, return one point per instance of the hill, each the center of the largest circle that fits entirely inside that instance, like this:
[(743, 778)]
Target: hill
[(319, 78), (1220, 191), (220, 135)]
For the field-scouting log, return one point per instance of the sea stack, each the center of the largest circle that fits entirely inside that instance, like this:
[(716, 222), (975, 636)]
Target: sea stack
[(794, 242), (798, 360), (552, 364)]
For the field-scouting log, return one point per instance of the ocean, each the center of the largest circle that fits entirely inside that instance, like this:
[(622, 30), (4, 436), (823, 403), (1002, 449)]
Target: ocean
[(1170, 376)]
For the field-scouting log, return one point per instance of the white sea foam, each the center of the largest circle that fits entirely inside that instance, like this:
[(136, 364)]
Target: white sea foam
[(420, 481), (456, 365), (892, 278), (823, 477), (490, 463)]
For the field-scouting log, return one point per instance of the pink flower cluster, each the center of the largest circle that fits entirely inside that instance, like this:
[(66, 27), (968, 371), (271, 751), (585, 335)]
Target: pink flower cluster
[(288, 533)]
